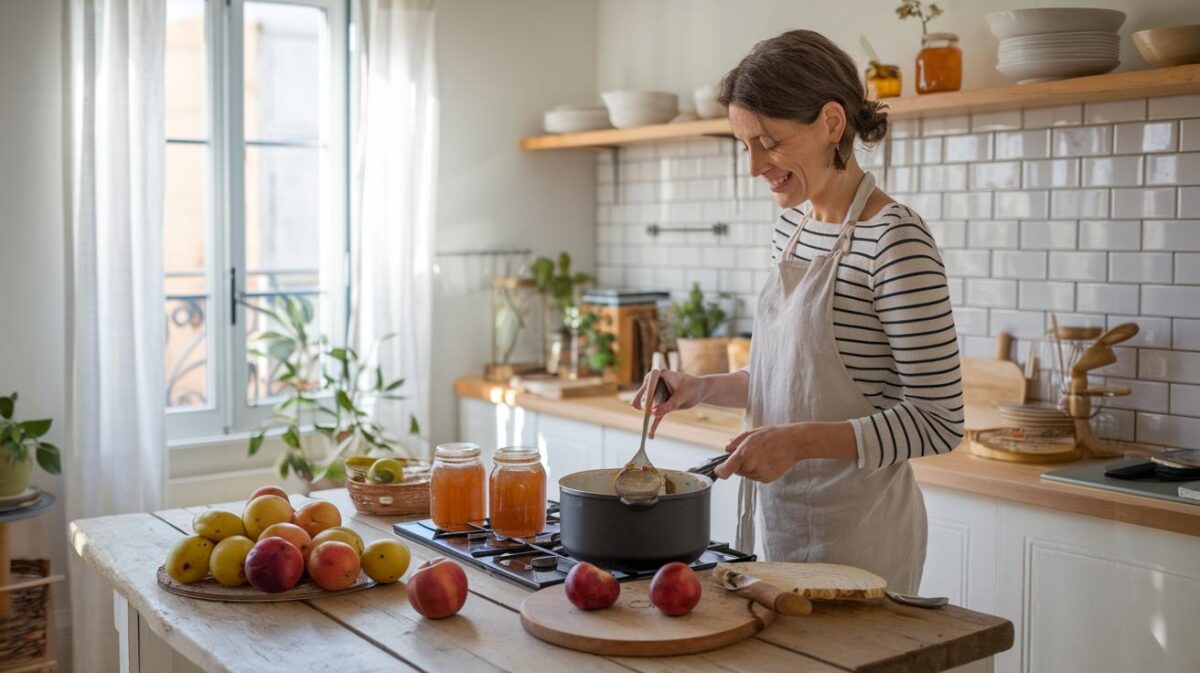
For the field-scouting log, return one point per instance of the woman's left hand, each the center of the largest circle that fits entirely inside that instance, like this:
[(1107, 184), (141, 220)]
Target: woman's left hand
[(765, 454)]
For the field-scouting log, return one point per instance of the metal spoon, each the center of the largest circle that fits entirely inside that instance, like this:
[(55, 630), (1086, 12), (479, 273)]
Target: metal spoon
[(918, 601), (639, 481)]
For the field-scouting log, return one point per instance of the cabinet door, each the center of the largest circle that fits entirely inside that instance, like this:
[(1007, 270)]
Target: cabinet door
[(493, 426), (567, 446), (619, 447)]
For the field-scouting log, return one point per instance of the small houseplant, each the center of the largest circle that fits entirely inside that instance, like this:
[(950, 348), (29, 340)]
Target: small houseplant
[(696, 322), (560, 288), (327, 387), (20, 443)]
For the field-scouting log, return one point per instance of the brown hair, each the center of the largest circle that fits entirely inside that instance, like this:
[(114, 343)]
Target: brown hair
[(793, 75)]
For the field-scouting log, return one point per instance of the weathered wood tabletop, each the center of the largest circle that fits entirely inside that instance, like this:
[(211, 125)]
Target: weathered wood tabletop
[(377, 630)]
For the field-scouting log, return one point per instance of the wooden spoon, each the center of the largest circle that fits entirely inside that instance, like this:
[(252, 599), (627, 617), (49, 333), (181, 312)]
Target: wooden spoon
[(639, 481)]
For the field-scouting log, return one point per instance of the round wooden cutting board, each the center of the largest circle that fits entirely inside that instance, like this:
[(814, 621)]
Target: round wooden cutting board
[(634, 627), (209, 589)]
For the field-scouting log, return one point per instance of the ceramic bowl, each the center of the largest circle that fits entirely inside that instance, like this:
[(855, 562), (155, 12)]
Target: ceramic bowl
[(640, 100), (707, 106), (1017, 22), (1034, 71), (1176, 45)]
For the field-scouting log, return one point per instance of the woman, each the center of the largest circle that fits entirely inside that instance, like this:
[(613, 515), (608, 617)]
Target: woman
[(854, 361)]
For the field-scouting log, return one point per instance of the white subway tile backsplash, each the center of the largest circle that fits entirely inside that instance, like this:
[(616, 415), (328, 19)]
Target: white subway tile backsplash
[(1021, 205), (1110, 235), (1047, 235), (722, 257), (1057, 115), (971, 321), (902, 179), (1152, 332), (949, 233), (967, 205), (1143, 202), (977, 147), (706, 278), (930, 150), (1041, 295), (957, 291), (1119, 424), (736, 282), (1175, 107), (1027, 324), (967, 263), (669, 279), (1104, 298), (929, 206), (1084, 141), (992, 293), (944, 178), (755, 258), (1144, 395), (1185, 399), (1185, 334), (944, 126), (1043, 173), (1189, 135), (904, 128), (1173, 169), (991, 234), (1018, 264), (1189, 201), (1139, 267), (1173, 431), (1181, 301), (1004, 120), (1146, 137), (1077, 203), (997, 175), (1022, 144), (1078, 266), (1114, 111), (1112, 171), (1172, 235), (1187, 268)]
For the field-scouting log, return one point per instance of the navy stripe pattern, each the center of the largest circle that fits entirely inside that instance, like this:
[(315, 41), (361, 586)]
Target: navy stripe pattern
[(894, 330)]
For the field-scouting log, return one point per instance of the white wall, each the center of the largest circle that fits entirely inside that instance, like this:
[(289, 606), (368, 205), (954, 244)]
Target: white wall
[(31, 251), (677, 45), (500, 65)]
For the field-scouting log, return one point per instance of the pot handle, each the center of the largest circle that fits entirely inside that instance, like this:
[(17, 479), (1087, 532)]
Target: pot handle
[(639, 505)]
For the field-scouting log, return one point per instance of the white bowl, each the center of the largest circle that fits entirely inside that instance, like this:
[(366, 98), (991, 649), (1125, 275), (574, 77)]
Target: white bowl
[(640, 99), (1044, 70), (1016, 22), (1074, 53), (574, 121), (707, 106), (624, 118)]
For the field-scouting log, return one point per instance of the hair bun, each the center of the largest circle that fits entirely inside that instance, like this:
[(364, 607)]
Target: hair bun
[(872, 121)]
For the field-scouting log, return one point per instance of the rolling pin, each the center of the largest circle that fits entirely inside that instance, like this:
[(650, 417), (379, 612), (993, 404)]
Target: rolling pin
[(764, 593)]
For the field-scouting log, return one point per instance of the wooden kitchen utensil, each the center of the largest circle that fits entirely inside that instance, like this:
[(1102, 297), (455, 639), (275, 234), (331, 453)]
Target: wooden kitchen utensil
[(821, 581), (989, 381), (639, 481), (208, 589), (1015, 446), (764, 593), (1079, 396), (634, 627)]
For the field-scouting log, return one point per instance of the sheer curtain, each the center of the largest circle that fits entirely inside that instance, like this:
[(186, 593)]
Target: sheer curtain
[(395, 171), (115, 452)]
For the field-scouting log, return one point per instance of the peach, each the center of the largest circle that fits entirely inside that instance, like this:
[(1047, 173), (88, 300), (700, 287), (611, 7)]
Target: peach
[(591, 588), (264, 511), (438, 588), (274, 565), (341, 534), (317, 516), (268, 490), (290, 532), (333, 565), (675, 589)]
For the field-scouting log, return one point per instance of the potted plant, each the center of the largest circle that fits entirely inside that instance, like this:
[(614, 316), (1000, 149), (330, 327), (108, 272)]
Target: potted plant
[(20, 443), (696, 321), (560, 288), (329, 388)]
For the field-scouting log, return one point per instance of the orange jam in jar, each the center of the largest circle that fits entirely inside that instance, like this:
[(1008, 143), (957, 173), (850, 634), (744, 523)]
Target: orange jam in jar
[(883, 81), (939, 63), (517, 492), (456, 488)]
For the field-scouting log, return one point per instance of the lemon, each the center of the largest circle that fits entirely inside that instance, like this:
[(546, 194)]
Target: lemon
[(385, 561), (228, 560), (217, 525), (386, 471), (187, 562)]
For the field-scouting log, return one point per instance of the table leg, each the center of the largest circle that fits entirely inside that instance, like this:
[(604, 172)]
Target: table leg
[(5, 572)]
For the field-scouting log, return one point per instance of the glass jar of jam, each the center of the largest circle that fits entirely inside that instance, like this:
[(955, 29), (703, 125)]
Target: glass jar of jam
[(883, 81), (517, 492), (939, 63), (456, 487)]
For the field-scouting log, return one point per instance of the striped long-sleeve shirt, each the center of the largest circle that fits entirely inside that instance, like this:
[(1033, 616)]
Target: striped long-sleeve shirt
[(894, 330)]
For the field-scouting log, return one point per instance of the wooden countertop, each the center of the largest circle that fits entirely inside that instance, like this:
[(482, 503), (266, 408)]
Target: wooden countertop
[(713, 427), (377, 630)]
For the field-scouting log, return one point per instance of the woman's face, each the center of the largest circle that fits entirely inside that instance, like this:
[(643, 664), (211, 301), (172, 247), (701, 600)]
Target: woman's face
[(795, 159)]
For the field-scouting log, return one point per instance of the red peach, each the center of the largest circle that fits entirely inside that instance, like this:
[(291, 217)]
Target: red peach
[(591, 588), (317, 516), (290, 532), (333, 565), (675, 589), (268, 490), (274, 565), (438, 588)]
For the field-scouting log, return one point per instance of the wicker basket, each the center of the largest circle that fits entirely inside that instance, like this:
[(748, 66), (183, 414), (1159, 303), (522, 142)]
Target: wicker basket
[(409, 497), (24, 634)]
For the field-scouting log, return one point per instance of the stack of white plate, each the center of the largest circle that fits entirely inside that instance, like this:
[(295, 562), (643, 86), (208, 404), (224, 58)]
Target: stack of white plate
[(1044, 44), (627, 109), (575, 118)]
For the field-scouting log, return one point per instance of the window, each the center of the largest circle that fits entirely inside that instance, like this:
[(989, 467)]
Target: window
[(255, 201)]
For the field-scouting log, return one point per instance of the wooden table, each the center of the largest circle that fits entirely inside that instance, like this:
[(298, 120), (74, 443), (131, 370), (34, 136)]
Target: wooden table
[(377, 630)]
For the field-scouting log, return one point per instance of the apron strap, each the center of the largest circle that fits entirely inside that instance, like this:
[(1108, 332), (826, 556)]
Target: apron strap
[(866, 187), (747, 511), (793, 241)]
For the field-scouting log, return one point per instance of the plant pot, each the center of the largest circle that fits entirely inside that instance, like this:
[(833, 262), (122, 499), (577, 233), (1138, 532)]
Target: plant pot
[(699, 357), (15, 474)]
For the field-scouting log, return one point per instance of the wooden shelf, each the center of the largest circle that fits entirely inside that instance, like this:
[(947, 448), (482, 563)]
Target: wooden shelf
[(1181, 79)]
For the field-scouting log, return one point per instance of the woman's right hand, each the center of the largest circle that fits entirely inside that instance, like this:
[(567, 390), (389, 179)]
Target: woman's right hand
[(686, 391)]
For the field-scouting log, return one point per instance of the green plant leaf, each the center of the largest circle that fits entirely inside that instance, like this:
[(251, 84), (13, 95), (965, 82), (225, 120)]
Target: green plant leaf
[(281, 349), (344, 402), (378, 379), (6, 406), (291, 437), (334, 471), (394, 385), (48, 458), (37, 428), (414, 428), (256, 442), (338, 354)]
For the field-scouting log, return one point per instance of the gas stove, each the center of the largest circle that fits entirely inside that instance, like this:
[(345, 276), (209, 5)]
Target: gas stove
[(533, 562)]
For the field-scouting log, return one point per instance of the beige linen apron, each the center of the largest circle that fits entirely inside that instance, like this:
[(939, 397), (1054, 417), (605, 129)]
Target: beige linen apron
[(823, 510)]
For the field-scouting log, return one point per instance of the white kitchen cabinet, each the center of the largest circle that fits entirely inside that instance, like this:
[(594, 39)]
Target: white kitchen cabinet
[(1085, 594), (493, 426), (567, 446)]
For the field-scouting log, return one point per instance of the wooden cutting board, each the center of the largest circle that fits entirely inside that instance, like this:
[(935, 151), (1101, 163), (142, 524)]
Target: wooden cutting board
[(820, 581), (634, 627), (565, 389)]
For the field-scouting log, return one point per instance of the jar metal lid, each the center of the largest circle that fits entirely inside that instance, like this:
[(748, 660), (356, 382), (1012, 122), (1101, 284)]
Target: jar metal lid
[(517, 454), (457, 451)]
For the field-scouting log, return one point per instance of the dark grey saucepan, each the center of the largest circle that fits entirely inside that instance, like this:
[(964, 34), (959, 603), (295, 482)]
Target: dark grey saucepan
[(596, 526)]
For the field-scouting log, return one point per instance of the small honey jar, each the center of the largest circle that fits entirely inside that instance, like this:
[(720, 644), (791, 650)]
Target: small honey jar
[(883, 81)]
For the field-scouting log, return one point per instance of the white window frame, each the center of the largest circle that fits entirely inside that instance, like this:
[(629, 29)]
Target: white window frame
[(229, 411)]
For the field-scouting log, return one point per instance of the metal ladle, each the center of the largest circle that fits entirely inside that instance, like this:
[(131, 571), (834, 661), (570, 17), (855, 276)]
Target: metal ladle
[(639, 481)]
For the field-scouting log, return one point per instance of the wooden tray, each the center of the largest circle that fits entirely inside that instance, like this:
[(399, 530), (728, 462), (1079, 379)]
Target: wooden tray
[(815, 581), (634, 627), (208, 589)]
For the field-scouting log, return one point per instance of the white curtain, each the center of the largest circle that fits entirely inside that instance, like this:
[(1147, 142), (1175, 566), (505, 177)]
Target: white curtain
[(115, 452), (395, 171)]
